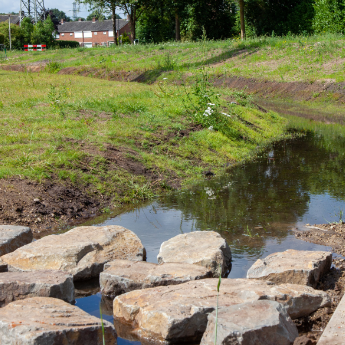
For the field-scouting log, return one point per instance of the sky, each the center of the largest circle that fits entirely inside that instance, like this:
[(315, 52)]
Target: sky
[(63, 5)]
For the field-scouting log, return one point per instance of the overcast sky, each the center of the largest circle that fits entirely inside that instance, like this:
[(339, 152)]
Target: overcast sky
[(63, 5)]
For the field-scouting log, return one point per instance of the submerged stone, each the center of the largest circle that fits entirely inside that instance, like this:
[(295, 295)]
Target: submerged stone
[(253, 323), (122, 276), (81, 252), (13, 237), (204, 248), (48, 283), (44, 320), (175, 313), (292, 266)]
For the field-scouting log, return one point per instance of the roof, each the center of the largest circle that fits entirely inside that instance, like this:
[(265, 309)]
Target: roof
[(102, 25), (14, 19)]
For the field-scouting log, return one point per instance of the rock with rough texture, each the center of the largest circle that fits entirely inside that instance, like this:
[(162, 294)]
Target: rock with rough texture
[(253, 323), (204, 248), (44, 320), (82, 251), (122, 276), (20, 285), (13, 237), (292, 266), (172, 313)]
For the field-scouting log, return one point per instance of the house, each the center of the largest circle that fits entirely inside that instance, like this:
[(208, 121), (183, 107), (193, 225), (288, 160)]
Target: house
[(92, 33), (14, 19)]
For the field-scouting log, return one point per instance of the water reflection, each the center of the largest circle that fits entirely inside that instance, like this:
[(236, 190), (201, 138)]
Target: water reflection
[(254, 206)]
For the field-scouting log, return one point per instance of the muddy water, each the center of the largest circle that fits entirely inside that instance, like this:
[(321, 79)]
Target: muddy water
[(255, 207)]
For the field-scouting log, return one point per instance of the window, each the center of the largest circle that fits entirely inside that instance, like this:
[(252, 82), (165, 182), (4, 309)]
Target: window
[(88, 45), (104, 33), (57, 36), (71, 34), (95, 33), (78, 34), (62, 34), (111, 33), (87, 34)]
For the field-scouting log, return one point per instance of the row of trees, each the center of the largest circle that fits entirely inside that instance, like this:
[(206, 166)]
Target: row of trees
[(28, 33), (160, 20)]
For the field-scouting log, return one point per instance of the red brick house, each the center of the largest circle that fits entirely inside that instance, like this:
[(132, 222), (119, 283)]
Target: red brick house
[(92, 33)]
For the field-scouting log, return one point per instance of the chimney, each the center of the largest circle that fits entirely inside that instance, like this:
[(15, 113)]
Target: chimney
[(61, 21), (127, 17), (94, 20), (79, 19)]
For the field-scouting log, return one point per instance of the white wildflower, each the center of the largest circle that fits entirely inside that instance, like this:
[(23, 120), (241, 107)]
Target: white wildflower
[(226, 114), (209, 191), (210, 104), (208, 111), (210, 128), (165, 78)]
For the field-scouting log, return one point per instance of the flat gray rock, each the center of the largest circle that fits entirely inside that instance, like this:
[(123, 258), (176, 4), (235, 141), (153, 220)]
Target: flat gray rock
[(13, 237), (204, 248), (179, 312), (50, 321), (20, 285), (81, 252), (122, 276), (253, 323), (292, 266)]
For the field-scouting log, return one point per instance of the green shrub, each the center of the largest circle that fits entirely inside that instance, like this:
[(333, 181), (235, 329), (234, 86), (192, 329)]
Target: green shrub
[(2, 39), (67, 44), (125, 38)]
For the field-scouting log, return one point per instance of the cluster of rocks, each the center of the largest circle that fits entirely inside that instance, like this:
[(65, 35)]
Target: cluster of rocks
[(170, 302)]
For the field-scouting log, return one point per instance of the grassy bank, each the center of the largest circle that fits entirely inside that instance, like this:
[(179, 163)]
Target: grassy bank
[(283, 59), (120, 142)]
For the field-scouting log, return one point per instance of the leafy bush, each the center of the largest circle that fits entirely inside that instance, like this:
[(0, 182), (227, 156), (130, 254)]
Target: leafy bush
[(329, 16), (67, 44), (52, 67), (2, 38), (125, 38)]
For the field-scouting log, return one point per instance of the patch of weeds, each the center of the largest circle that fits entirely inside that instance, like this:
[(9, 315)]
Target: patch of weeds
[(242, 98), (168, 63), (139, 192), (134, 108), (1, 105), (56, 97), (52, 67)]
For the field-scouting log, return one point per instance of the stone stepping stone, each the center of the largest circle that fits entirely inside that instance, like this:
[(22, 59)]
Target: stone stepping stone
[(292, 266), (81, 252), (13, 237), (48, 283), (204, 248), (45, 320), (334, 333), (253, 323), (172, 313), (122, 276)]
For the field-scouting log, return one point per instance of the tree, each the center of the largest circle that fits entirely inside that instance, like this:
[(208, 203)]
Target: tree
[(243, 28), (59, 15), (104, 6), (27, 30), (100, 15), (43, 33), (16, 35)]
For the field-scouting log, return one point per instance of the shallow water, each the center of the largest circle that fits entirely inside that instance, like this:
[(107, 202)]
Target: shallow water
[(254, 207)]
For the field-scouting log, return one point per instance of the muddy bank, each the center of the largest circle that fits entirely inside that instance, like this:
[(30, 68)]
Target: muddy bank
[(332, 235)]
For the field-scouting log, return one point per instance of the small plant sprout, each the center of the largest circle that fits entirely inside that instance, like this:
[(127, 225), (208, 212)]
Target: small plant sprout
[(218, 287), (100, 312)]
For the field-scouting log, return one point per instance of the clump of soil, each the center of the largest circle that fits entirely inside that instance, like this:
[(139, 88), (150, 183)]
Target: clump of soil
[(46, 205), (332, 235)]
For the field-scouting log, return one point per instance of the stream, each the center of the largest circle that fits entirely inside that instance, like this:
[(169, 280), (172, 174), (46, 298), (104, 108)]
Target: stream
[(255, 207)]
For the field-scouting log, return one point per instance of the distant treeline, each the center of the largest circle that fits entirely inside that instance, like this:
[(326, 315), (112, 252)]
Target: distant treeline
[(220, 18)]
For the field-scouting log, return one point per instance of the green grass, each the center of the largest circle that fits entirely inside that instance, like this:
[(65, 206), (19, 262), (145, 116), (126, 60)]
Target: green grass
[(291, 58), (90, 132)]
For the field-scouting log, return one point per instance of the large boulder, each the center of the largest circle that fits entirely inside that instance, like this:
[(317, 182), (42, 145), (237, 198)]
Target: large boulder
[(81, 252), (44, 320), (122, 276), (173, 313), (292, 266), (204, 248), (48, 283), (13, 237), (253, 323)]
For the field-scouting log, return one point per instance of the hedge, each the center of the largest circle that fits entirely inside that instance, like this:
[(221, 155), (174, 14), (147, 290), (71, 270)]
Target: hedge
[(67, 44)]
